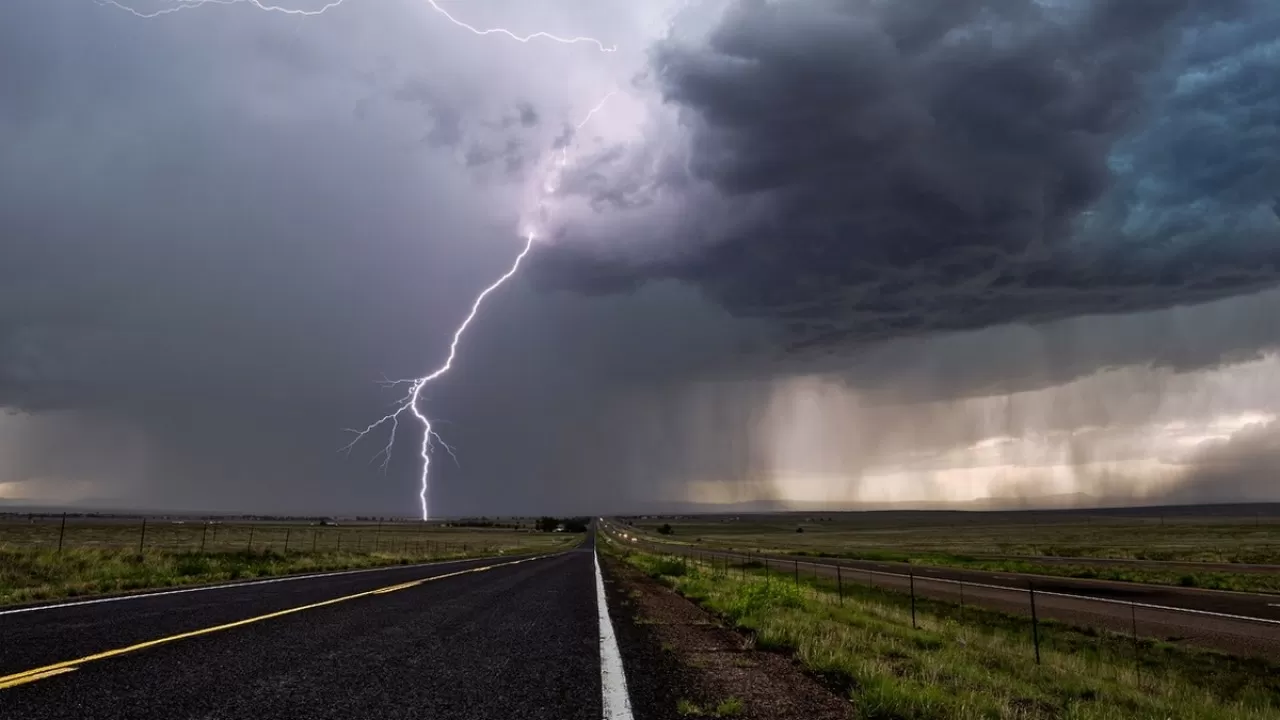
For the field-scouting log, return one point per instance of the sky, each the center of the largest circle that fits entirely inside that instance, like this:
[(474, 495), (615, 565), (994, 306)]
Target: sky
[(806, 253)]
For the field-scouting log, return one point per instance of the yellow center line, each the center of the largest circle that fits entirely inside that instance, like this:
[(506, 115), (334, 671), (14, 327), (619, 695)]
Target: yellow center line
[(40, 673), (32, 678)]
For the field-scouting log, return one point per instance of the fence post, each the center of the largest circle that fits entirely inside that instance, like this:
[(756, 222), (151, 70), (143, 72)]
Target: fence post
[(766, 571), (287, 533), (249, 547), (204, 535), (62, 530), (797, 562), (377, 535), (1035, 622), (912, 575), (961, 601), (142, 538), (314, 533), (1133, 615), (339, 546), (870, 580), (839, 584)]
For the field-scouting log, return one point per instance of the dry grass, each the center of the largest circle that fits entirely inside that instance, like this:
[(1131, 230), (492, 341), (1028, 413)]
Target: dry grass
[(102, 558)]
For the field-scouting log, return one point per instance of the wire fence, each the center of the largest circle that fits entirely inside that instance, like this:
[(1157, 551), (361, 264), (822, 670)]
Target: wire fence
[(1142, 622), (59, 534)]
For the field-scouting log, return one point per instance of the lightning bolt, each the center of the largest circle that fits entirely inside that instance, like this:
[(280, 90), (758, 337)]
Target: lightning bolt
[(411, 401), (180, 5)]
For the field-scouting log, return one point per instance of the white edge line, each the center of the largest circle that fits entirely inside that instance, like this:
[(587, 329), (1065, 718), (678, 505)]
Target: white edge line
[(613, 681), (247, 583), (1125, 603)]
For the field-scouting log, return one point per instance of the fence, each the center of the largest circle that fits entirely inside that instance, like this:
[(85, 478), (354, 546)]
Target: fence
[(1234, 633), (61, 533)]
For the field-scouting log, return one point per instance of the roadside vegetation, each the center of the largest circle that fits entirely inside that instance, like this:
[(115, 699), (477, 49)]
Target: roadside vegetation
[(103, 558), (958, 663)]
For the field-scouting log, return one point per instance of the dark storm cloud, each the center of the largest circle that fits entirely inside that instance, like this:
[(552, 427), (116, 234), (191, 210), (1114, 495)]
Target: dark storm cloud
[(899, 168), (203, 249)]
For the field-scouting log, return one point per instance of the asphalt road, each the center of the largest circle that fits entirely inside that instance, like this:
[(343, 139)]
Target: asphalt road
[(475, 639), (1242, 623)]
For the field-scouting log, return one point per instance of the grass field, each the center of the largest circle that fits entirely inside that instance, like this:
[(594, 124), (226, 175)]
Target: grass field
[(963, 664), (100, 556), (1016, 542)]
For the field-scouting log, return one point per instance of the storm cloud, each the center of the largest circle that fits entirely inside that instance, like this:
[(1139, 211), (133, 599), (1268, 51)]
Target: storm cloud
[(856, 171), (220, 228)]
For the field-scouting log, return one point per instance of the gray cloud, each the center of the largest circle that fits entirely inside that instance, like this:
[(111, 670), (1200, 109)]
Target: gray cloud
[(206, 251), (892, 169), (208, 258)]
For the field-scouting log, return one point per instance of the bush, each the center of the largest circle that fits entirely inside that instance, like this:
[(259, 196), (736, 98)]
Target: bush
[(666, 529), (669, 567)]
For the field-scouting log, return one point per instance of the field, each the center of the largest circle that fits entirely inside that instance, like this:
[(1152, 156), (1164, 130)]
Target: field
[(1180, 547), (43, 559), (948, 663)]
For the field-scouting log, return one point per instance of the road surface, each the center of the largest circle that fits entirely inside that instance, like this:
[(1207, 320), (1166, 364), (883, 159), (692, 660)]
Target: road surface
[(1241, 623), (482, 639)]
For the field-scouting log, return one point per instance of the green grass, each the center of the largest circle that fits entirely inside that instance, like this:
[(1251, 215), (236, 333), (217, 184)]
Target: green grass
[(1013, 542), (688, 708), (30, 573), (1208, 579), (1220, 540), (979, 664), (732, 707)]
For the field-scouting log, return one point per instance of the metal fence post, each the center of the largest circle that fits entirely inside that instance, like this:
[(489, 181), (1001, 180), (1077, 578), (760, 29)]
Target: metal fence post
[(1035, 622), (142, 537), (314, 533), (839, 585), (249, 547), (204, 535), (62, 529), (287, 533), (912, 575), (1133, 615), (797, 563)]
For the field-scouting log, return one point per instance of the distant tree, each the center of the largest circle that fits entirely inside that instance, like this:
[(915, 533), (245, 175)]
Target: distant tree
[(800, 529), (575, 525), (666, 529), (547, 524)]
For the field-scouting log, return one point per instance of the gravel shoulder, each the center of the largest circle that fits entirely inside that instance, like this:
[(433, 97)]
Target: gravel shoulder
[(682, 662)]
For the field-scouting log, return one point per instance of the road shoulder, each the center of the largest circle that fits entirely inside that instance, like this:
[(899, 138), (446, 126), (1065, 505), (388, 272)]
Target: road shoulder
[(681, 662)]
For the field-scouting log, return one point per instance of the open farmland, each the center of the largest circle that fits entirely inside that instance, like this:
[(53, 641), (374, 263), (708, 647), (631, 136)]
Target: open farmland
[(42, 557), (1226, 547)]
